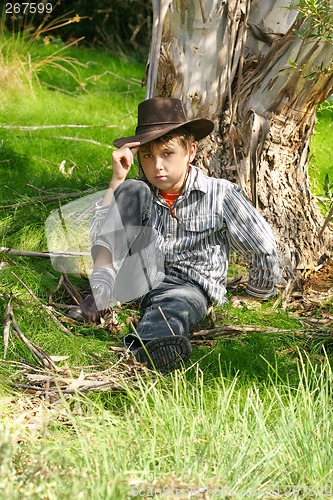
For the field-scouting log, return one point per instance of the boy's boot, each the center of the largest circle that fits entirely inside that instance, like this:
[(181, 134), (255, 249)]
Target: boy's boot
[(98, 302), (164, 354)]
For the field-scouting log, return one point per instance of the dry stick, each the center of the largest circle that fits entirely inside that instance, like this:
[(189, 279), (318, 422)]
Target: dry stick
[(165, 319), (232, 330), (57, 305), (78, 139), (38, 189), (107, 386), (46, 199), (59, 284), (41, 356), (72, 289), (284, 295), (46, 127), (29, 253), (50, 313), (6, 328)]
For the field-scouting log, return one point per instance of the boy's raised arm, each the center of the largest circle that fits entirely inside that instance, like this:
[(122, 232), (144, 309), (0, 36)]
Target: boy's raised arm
[(122, 160)]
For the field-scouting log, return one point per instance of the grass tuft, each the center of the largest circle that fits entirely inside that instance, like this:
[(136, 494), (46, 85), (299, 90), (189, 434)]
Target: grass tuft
[(25, 53)]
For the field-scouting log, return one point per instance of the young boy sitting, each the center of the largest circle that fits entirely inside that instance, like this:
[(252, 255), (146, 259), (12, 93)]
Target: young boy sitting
[(180, 224)]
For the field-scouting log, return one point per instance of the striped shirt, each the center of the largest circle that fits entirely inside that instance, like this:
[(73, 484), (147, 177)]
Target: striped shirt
[(210, 218)]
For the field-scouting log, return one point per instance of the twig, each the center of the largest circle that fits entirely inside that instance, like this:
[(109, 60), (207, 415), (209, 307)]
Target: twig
[(57, 305), (105, 386), (46, 308), (81, 139), (38, 189), (46, 127), (234, 330), (46, 199), (165, 319), (6, 328), (284, 295), (30, 253), (72, 289), (41, 356)]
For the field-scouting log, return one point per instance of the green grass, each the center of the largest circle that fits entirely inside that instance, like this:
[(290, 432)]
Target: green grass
[(321, 157), (254, 410), (174, 436), (106, 101)]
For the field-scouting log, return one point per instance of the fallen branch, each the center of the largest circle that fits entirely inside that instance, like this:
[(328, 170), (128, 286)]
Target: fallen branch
[(46, 308), (231, 329), (285, 295), (41, 356), (235, 330), (81, 139), (39, 190), (6, 328), (46, 127), (29, 253), (46, 199), (72, 289)]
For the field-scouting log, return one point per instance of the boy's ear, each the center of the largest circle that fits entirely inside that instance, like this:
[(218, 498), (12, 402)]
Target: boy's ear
[(193, 150)]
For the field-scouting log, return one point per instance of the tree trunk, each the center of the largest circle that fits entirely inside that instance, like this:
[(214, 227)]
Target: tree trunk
[(246, 65)]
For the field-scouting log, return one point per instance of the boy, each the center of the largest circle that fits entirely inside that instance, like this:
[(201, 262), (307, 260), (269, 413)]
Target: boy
[(187, 220)]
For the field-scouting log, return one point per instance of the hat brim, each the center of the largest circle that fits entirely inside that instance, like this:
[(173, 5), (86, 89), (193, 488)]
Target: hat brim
[(200, 128)]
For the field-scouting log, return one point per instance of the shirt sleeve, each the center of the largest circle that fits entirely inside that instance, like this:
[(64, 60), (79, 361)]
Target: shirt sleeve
[(251, 237)]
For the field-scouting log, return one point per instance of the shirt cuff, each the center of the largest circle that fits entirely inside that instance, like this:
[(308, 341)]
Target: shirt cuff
[(260, 293)]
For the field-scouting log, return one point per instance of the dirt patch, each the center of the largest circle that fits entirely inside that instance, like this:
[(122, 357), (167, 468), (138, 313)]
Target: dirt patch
[(319, 279)]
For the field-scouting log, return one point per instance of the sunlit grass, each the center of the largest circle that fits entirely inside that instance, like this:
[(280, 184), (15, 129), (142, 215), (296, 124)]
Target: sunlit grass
[(254, 410), (172, 435)]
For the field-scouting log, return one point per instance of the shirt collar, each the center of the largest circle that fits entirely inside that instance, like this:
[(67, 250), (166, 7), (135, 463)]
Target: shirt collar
[(196, 181)]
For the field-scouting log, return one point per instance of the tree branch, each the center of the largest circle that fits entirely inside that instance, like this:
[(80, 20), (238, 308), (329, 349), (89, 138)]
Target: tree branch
[(30, 253), (56, 197), (46, 308)]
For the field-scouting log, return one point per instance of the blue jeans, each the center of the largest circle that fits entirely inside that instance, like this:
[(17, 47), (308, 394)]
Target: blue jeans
[(170, 304), (174, 307)]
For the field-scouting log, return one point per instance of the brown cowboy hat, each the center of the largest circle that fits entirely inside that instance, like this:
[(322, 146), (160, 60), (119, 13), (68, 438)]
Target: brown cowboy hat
[(160, 115)]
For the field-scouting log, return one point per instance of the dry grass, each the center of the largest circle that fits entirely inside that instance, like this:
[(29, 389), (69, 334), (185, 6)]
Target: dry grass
[(25, 53)]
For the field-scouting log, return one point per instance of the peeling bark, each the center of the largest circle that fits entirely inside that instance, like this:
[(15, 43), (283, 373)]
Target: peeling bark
[(244, 65)]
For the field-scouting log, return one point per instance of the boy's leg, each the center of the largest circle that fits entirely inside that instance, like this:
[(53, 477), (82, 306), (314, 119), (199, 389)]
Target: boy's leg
[(125, 236), (171, 312)]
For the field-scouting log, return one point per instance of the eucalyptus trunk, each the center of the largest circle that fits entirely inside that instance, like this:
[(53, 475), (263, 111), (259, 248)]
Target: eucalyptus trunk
[(252, 67)]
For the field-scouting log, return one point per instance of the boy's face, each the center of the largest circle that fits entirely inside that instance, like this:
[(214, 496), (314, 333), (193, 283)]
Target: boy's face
[(166, 165)]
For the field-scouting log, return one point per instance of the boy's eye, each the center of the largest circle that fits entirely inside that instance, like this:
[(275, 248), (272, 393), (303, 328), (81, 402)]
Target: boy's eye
[(168, 153)]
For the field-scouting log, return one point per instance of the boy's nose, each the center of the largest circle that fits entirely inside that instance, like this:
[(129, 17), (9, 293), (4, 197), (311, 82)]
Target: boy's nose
[(158, 163)]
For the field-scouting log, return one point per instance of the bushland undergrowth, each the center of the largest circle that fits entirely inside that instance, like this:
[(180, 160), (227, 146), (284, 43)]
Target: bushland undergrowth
[(253, 412)]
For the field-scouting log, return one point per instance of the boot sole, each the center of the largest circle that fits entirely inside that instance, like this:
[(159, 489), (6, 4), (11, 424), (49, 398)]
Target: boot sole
[(165, 354)]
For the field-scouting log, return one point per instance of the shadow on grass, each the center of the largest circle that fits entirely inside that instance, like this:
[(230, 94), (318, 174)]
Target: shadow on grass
[(258, 358)]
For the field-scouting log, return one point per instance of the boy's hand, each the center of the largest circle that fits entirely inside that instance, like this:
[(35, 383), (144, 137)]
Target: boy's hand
[(122, 160)]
